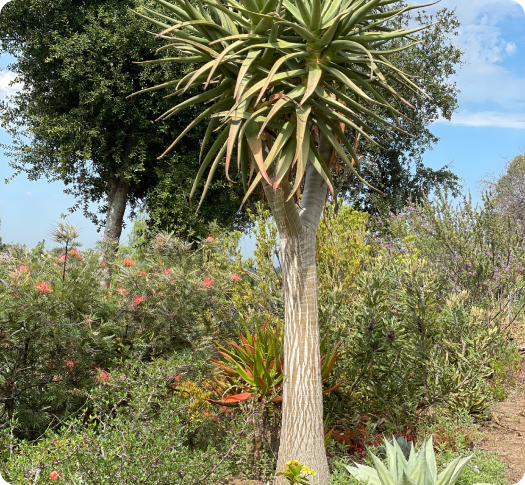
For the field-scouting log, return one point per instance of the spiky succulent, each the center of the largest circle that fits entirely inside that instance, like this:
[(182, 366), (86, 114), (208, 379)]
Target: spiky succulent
[(278, 74)]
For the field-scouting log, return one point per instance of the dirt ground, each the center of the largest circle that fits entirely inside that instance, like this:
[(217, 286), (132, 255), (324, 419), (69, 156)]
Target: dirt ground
[(505, 435)]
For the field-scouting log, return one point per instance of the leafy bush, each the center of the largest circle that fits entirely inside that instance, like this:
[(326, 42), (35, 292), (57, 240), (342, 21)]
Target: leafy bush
[(136, 429)]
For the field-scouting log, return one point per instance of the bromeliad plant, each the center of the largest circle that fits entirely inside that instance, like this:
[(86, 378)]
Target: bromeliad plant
[(254, 368), (420, 468), (290, 86)]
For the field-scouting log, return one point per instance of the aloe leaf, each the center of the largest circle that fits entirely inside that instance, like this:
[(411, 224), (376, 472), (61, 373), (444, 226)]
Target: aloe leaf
[(303, 146), (294, 11), (256, 148), (242, 80), (274, 69), (384, 477), (315, 158), (209, 180), (431, 459), (302, 31), (283, 136), (220, 58), (284, 163), (340, 76), (314, 76), (196, 121), (232, 15), (364, 474), (221, 139), (304, 10)]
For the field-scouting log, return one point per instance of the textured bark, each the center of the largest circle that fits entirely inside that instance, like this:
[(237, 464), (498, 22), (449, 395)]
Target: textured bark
[(117, 199), (302, 434)]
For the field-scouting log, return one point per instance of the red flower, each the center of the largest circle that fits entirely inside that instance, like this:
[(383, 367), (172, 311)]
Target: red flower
[(103, 376), (102, 264), (22, 268), (168, 271), (178, 377), (70, 363), (121, 291), (43, 287), (75, 253), (236, 277), (210, 238), (138, 299), (53, 475), (128, 262), (208, 282), (61, 258)]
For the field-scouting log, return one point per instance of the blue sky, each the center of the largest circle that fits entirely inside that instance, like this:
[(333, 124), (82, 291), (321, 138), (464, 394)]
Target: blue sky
[(488, 128)]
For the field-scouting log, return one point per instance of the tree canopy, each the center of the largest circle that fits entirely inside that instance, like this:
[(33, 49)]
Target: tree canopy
[(72, 121)]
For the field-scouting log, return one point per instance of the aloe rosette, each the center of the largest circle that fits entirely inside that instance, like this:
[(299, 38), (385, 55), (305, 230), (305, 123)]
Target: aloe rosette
[(277, 75), (255, 366)]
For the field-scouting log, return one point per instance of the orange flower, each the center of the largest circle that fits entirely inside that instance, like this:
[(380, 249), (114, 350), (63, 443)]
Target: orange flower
[(211, 238), (138, 299), (236, 277), (43, 287), (128, 262), (208, 282), (121, 291), (70, 363), (103, 376), (22, 268), (168, 271), (75, 253), (53, 475)]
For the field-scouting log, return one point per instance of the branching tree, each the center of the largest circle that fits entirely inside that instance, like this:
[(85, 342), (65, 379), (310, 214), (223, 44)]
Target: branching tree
[(293, 87), (72, 121)]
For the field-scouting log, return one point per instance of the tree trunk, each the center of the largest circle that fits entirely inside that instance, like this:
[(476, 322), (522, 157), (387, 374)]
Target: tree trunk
[(117, 199), (302, 434)]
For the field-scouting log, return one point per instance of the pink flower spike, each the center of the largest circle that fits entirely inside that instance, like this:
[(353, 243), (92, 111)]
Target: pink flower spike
[(128, 262), (138, 299), (208, 282), (236, 277), (211, 238), (43, 287), (103, 376), (53, 475)]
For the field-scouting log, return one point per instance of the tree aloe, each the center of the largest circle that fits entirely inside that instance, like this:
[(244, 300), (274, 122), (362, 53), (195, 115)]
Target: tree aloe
[(291, 86)]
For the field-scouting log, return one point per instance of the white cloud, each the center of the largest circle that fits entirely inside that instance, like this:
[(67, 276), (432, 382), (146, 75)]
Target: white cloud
[(6, 78), (511, 48), (493, 119), (495, 94)]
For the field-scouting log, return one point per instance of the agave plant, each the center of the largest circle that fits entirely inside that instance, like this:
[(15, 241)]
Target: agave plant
[(420, 468), (288, 87), (255, 367)]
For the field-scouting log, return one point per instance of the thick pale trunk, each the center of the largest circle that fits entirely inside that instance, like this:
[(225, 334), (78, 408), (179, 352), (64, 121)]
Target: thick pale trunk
[(302, 434)]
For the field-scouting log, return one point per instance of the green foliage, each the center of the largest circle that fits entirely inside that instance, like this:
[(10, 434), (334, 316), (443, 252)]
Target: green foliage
[(329, 70), (72, 120), (254, 366), (420, 467), (297, 473), (477, 249), (136, 429)]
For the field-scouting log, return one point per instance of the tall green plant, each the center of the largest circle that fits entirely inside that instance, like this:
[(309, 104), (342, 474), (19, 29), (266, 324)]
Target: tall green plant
[(292, 85)]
